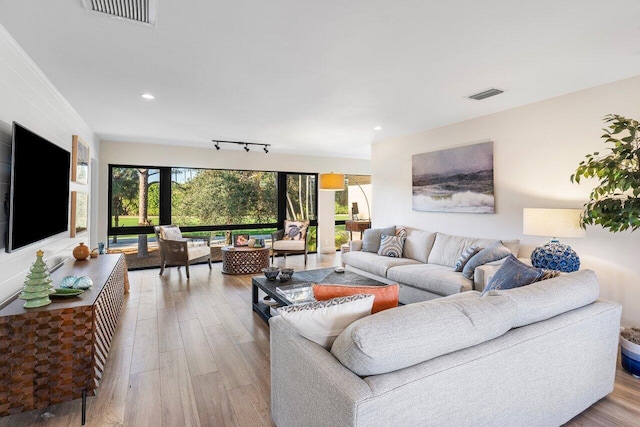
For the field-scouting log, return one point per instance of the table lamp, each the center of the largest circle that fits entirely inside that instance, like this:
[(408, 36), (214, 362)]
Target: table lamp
[(554, 223), (354, 211)]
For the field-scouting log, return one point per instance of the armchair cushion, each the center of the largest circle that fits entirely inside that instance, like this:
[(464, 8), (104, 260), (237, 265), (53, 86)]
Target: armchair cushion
[(170, 232), (198, 252), (289, 245), (295, 230)]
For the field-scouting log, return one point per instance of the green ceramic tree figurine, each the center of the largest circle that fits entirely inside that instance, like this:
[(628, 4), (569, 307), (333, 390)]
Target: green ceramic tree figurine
[(38, 286)]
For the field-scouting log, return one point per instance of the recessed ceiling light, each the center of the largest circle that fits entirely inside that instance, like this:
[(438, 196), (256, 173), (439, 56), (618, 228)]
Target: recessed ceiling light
[(377, 128), (147, 96)]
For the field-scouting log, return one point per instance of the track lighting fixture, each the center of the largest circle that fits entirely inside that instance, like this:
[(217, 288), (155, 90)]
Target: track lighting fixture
[(265, 147)]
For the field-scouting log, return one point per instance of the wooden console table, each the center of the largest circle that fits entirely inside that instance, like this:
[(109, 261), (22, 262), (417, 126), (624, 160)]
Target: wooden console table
[(58, 352), (358, 226)]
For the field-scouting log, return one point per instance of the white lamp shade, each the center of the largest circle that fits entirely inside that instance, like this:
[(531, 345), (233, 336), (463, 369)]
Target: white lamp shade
[(552, 222), (331, 181)]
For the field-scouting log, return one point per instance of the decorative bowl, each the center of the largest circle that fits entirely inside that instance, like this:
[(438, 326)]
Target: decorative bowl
[(271, 272), (83, 282), (288, 271), (67, 282)]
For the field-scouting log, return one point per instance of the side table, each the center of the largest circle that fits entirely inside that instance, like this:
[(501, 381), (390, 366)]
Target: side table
[(244, 260), (358, 226)]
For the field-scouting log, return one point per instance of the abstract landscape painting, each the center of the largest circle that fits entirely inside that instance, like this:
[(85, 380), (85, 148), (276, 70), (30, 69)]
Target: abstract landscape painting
[(454, 180)]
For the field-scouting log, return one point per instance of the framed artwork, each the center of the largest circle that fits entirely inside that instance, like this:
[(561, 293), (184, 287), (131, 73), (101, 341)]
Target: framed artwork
[(79, 212), (240, 240), (454, 180), (80, 161)]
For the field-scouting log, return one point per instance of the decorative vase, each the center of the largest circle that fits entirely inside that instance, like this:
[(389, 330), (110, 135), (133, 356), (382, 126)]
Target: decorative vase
[(81, 251)]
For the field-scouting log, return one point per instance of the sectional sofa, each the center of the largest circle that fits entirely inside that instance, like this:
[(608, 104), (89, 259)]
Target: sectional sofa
[(426, 269), (537, 355)]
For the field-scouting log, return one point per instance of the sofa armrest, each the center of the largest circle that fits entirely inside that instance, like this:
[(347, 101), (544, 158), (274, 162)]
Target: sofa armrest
[(355, 245), (308, 383)]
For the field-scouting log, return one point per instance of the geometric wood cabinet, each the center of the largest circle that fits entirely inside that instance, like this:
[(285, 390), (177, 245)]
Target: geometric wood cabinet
[(58, 352)]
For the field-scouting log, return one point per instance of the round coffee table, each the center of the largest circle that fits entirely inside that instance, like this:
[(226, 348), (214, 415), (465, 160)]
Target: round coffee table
[(244, 260)]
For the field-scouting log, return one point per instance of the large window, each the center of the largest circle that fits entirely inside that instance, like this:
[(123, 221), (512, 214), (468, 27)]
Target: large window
[(211, 202)]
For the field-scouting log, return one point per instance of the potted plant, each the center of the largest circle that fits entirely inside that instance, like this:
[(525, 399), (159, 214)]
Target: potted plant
[(630, 350), (615, 202)]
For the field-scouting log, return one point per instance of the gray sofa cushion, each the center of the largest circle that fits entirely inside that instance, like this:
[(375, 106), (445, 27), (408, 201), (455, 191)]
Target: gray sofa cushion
[(371, 238), (404, 336), (448, 248), (374, 263), (543, 300), (433, 278), (418, 244)]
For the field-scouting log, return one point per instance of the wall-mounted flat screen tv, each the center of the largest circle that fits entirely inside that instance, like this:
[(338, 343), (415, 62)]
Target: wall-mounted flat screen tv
[(39, 192)]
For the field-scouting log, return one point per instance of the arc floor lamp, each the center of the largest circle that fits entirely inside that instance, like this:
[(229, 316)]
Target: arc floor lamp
[(335, 182)]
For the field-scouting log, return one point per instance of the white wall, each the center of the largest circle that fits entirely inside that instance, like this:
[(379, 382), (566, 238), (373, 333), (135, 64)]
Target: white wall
[(536, 149), (29, 98), (122, 153)]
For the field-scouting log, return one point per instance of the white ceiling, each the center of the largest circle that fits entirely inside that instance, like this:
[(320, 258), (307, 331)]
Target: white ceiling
[(316, 76)]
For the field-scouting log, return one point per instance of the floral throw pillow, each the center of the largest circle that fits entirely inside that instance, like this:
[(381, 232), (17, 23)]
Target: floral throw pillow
[(295, 230)]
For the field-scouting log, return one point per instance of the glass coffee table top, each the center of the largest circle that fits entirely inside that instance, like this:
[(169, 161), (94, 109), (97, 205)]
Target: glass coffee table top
[(298, 289)]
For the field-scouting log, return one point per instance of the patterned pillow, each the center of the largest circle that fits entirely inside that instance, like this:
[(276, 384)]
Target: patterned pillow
[(401, 231), (466, 256), (322, 322), (295, 230), (170, 233), (391, 246), (492, 253), (371, 238), (513, 273), (385, 296)]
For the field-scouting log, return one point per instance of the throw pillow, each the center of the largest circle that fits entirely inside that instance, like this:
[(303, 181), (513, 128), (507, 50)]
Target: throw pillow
[(466, 256), (371, 238), (295, 230), (492, 253), (170, 233), (321, 322), (391, 246), (513, 273), (385, 296)]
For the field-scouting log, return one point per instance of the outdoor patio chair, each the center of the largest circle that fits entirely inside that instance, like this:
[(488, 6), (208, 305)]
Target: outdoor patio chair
[(176, 250), (292, 239)]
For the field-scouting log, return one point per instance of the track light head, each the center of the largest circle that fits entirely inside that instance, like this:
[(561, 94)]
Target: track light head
[(265, 149), (246, 147), (217, 146)]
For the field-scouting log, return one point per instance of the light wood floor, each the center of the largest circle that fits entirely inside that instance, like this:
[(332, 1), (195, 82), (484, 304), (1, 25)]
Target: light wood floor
[(192, 353)]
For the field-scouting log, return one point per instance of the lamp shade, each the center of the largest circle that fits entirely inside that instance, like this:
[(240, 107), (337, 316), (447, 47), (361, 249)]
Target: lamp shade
[(552, 222), (332, 181)]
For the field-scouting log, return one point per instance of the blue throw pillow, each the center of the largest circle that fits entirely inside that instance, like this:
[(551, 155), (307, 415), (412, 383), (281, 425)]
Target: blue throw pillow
[(371, 238), (513, 274), (489, 254)]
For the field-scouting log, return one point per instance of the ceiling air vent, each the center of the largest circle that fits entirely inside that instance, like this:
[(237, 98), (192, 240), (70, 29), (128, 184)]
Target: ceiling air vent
[(485, 94), (142, 11)]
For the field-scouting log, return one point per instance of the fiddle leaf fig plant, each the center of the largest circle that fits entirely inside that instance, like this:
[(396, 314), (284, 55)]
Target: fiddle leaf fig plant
[(615, 202)]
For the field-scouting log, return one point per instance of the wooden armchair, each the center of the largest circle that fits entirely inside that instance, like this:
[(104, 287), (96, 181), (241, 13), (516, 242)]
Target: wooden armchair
[(178, 250), (292, 239)]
